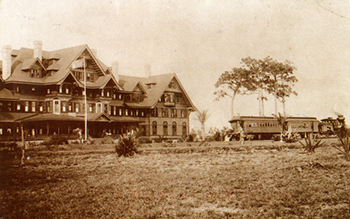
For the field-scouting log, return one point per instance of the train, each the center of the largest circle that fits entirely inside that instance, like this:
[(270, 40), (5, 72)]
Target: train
[(268, 127)]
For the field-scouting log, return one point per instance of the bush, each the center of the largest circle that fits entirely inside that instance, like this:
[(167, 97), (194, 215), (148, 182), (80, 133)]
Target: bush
[(55, 140), (311, 143), (344, 146), (127, 145)]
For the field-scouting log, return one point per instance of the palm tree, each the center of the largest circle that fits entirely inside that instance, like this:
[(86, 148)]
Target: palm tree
[(202, 117), (282, 121)]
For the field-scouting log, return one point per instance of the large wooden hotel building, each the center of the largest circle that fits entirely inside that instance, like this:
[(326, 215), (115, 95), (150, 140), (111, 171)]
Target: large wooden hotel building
[(44, 92)]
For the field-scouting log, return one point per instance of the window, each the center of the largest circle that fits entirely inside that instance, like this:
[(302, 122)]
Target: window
[(56, 106), (33, 106), (169, 98), (18, 106), (64, 106), (77, 107), (173, 113), (1, 132), (9, 107), (183, 113), (17, 89), (37, 73), (48, 90), (184, 129), (48, 106), (106, 108), (41, 107), (154, 128), (120, 112), (90, 77), (126, 112), (165, 128), (26, 107), (174, 128), (154, 112), (164, 112), (137, 112), (90, 107), (70, 107), (67, 90), (99, 107), (31, 74)]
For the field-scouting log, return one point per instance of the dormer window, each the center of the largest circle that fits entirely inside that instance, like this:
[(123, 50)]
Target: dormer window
[(48, 90), (35, 73), (169, 99)]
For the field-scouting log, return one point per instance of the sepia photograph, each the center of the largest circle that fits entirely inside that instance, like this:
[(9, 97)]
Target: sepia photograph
[(174, 109)]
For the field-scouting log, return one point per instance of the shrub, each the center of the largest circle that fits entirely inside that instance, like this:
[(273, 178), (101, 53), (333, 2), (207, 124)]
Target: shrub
[(344, 146), (55, 140), (127, 145), (311, 143)]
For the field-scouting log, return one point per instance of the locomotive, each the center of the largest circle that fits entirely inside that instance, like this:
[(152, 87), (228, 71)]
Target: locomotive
[(267, 127)]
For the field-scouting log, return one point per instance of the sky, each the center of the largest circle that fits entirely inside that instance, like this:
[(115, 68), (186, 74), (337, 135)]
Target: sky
[(199, 40)]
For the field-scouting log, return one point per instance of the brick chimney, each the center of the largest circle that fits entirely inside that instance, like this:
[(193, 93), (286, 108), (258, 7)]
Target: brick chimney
[(6, 61), (115, 70), (148, 70), (38, 49)]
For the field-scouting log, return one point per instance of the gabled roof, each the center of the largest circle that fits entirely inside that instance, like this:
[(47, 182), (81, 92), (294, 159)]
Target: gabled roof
[(63, 61), (160, 83), (6, 94), (98, 117), (28, 63), (102, 81), (141, 86)]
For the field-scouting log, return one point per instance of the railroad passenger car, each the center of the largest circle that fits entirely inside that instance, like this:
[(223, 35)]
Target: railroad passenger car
[(266, 127)]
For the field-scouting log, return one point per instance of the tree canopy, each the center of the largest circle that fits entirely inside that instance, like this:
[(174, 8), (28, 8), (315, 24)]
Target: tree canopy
[(258, 76)]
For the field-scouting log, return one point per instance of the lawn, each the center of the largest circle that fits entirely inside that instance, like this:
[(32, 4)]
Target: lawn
[(215, 180)]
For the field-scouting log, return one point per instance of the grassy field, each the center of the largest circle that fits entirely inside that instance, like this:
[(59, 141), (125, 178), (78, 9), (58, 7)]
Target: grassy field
[(215, 180)]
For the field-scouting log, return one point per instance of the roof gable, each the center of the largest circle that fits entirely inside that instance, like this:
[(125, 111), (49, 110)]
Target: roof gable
[(159, 85), (30, 63), (60, 65), (6, 94)]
